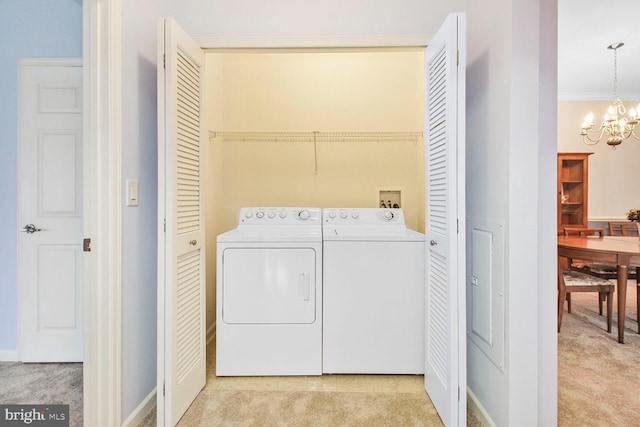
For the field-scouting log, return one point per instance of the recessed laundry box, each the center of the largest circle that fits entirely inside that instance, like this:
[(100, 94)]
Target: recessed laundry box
[(269, 294), (373, 293)]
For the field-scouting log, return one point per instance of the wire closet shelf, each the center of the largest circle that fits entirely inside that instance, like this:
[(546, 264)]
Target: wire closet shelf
[(315, 137)]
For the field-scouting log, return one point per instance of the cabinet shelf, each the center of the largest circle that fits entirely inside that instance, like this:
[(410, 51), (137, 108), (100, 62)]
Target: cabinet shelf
[(573, 189)]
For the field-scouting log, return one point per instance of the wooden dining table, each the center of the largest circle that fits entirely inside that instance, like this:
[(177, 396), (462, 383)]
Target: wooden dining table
[(621, 251)]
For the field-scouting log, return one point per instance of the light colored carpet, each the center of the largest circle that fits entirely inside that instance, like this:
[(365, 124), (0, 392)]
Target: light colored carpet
[(43, 384), (302, 408), (253, 408), (598, 378), (328, 400)]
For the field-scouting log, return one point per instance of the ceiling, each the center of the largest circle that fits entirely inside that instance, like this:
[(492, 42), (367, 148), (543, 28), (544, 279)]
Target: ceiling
[(585, 65)]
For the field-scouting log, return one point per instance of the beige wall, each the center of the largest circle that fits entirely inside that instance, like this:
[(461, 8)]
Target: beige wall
[(613, 174), (323, 90), (327, 91)]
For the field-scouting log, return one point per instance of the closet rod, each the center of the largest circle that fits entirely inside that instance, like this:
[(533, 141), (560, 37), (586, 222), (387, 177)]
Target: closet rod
[(317, 136)]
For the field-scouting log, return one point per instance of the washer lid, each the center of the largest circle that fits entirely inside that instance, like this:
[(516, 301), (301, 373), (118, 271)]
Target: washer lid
[(370, 234)]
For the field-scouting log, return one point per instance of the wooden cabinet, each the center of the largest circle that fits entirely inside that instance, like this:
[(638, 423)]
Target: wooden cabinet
[(573, 190)]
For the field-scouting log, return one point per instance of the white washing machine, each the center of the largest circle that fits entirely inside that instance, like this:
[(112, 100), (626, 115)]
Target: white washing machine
[(373, 298), (269, 294)]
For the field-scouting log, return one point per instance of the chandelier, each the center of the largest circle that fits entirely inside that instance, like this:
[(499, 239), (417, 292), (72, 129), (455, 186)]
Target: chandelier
[(615, 124)]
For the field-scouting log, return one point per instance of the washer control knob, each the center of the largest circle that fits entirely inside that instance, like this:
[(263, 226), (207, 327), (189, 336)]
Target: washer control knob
[(387, 215), (283, 214), (271, 214), (355, 214), (248, 214), (343, 214), (260, 214), (332, 214), (304, 215)]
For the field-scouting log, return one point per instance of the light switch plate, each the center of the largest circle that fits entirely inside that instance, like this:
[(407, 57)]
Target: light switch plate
[(132, 192)]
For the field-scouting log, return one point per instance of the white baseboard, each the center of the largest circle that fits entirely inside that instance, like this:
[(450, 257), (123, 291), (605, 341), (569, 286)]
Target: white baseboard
[(9, 356), (211, 333), (141, 411), (475, 407)]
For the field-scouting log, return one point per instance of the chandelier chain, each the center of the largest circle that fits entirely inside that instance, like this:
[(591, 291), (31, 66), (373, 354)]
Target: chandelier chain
[(615, 73)]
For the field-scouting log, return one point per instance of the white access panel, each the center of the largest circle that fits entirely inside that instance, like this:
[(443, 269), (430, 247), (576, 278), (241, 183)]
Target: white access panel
[(269, 285)]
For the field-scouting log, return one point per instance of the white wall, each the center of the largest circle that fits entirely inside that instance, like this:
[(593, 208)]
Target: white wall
[(547, 344), (139, 224), (294, 18), (510, 90), (28, 29)]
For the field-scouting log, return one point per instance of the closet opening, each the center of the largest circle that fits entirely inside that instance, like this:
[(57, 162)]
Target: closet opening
[(327, 127)]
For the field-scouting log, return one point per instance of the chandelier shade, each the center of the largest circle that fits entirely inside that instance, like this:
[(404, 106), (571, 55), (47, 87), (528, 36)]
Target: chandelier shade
[(616, 125)]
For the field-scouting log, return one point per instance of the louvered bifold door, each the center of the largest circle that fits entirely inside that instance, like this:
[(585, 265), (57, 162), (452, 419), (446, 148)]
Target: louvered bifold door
[(181, 311), (445, 358)]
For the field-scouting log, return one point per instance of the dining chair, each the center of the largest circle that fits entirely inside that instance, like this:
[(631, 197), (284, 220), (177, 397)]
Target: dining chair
[(581, 276), (583, 231), (603, 271), (574, 281), (624, 228)]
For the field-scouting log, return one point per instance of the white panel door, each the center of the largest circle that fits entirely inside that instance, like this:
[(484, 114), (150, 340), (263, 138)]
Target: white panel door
[(50, 210), (445, 351), (181, 242)]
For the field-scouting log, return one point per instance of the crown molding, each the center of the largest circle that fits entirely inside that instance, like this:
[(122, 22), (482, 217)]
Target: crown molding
[(418, 40)]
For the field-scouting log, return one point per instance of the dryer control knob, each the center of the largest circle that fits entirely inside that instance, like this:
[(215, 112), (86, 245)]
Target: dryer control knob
[(259, 214), (271, 214), (304, 215), (355, 214), (332, 214), (283, 214), (387, 215), (248, 214), (343, 214)]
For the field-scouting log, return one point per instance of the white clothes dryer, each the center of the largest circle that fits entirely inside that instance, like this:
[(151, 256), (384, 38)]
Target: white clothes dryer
[(269, 294), (373, 298)]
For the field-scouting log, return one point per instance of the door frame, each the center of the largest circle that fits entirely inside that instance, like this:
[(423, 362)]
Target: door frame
[(22, 64), (102, 167)]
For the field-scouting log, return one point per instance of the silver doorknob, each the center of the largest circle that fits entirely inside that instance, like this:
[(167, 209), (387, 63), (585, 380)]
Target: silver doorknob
[(193, 242), (433, 242), (30, 228)]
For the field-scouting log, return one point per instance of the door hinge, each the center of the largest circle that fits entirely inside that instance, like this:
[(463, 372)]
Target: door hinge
[(457, 57), (457, 226), (86, 245), (458, 394), (163, 389), (164, 224), (164, 60)]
